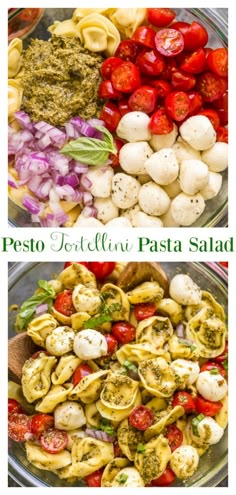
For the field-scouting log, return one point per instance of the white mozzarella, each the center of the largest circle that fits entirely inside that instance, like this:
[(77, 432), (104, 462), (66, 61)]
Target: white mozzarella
[(186, 209), (172, 189), (212, 386), (153, 200), (208, 431), (159, 141), (60, 341), (193, 176), (69, 415), (184, 290), (162, 166), (167, 219), (213, 186), (83, 221), (141, 219), (130, 213), (133, 126), (131, 475), (119, 222), (90, 344), (86, 300), (133, 156), (216, 157), (184, 461), (99, 181), (106, 210), (187, 370), (184, 151), (125, 190), (199, 132)]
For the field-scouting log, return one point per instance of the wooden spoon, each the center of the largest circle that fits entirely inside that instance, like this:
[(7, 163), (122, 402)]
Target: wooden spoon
[(20, 348), (136, 273)]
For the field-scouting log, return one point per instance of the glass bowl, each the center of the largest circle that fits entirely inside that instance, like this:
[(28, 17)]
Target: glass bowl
[(23, 279), (216, 23)]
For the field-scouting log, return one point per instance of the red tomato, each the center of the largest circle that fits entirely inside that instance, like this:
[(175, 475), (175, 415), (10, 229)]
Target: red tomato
[(222, 107), (123, 332), (109, 65), (211, 365), (36, 354), (160, 17), (80, 372), (224, 263), (115, 158), (117, 450), (177, 105), (63, 303), (126, 77), (19, 426), (160, 123), (128, 50), (123, 106), (150, 62), (54, 441), (106, 90), (195, 36), (144, 35), (194, 62), (196, 102), (182, 81), (212, 115), (181, 26), (143, 99), (207, 407), (166, 479), (111, 343), (41, 422), (94, 479), (185, 400), (169, 42), (102, 269), (141, 417), (217, 61), (68, 263), (144, 310), (211, 86), (224, 356), (163, 87), (111, 115), (14, 407), (222, 135), (174, 436)]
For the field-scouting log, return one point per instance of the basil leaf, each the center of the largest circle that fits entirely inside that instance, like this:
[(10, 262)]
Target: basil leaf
[(214, 371), (96, 321), (27, 309), (195, 423), (91, 151), (122, 478)]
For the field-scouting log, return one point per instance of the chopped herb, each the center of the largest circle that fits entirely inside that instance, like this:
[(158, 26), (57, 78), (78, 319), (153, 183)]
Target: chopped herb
[(122, 478), (140, 448), (214, 371), (106, 426), (225, 365), (131, 366), (105, 315), (191, 346), (27, 309), (195, 423)]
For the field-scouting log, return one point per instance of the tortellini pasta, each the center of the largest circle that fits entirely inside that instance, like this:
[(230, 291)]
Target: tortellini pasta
[(182, 348), (117, 300), (115, 414), (98, 34), (163, 418), (155, 330), (14, 57), (65, 28), (36, 377), (128, 439), (15, 94), (89, 388), (65, 369), (140, 352), (40, 327), (157, 377), (44, 460), (77, 274), (56, 395), (127, 20), (119, 391), (153, 461), (89, 455), (146, 292), (112, 469), (169, 307), (208, 333)]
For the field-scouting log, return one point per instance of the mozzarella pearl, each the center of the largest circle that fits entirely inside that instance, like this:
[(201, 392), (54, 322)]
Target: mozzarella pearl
[(60, 341), (184, 461), (216, 157), (90, 344), (101, 178), (86, 300), (133, 156), (184, 290), (141, 219), (159, 141), (133, 478), (172, 189), (213, 186), (69, 416), (122, 222), (209, 432), (187, 209), (163, 167), (186, 370), (106, 210), (83, 221), (199, 132), (211, 386), (168, 220), (133, 126), (125, 191), (193, 176), (153, 200), (184, 151)]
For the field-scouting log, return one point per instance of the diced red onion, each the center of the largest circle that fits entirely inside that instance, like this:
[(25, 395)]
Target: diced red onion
[(44, 142), (88, 198), (24, 120), (89, 211), (12, 182), (180, 330), (31, 204), (86, 182), (100, 435), (94, 122), (71, 179), (80, 168), (41, 309)]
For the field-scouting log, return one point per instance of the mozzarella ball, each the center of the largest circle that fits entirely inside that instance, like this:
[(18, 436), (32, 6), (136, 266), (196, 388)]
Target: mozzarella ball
[(106, 210), (172, 189), (213, 186), (193, 176), (141, 219), (125, 191), (159, 141), (199, 132), (211, 386), (132, 478), (86, 300), (60, 341), (133, 126), (100, 181), (133, 156), (184, 461), (187, 209), (90, 344), (130, 213), (184, 151), (167, 219), (209, 432), (153, 200), (69, 415), (119, 222), (83, 221), (184, 290), (187, 370), (162, 166), (216, 157)]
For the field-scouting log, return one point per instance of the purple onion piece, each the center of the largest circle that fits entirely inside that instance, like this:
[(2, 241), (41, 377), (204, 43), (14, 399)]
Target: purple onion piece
[(100, 435), (180, 331)]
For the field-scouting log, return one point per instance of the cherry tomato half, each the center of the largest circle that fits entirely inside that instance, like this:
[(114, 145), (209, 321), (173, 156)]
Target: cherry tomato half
[(150, 62), (19, 426), (207, 407), (224, 356), (109, 65), (80, 372), (144, 310), (36, 354), (63, 303), (181, 81), (54, 441), (174, 436), (212, 115), (111, 343), (224, 263), (123, 332), (14, 407), (69, 263), (194, 62), (142, 417), (222, 108), (160, 17), (211, 86), (169, 42), (222, 135), (143, 99), (40, 423), (123, 106), (115, 162), (111, 115), (195, 36), (106, 90), (127, 50), (217, 61), (102, 269), (163, 87), (126, 77), (211, 365), (94, 479), (160, 122), (185, 400), (177, 105), (195, 101), (166, 479), (144, 35)]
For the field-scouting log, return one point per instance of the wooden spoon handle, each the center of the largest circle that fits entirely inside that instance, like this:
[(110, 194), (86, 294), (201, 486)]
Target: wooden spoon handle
[(136, 273), (20, 348)]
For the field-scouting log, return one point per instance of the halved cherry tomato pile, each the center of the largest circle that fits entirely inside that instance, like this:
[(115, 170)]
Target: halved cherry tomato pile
[(166, 71), (101, 269)]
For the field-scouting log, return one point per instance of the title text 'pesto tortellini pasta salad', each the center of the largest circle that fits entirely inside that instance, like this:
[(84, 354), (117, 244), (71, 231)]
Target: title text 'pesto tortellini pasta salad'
[(119, 119), (126, 387)]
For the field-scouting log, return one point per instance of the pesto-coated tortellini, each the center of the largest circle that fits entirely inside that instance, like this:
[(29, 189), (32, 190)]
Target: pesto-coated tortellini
[(65, 369), (157, 377), (208, 301), (44, 460), (140, 352), (155, 330), (60, 341), (182, 348), (40, 327), (89, 455), (117, 414), (128, 476), (36, 377), (86, 299), (117, 300), (119, 391), (78, 319), (15, 94), (98, 34), (89, 388), (14, 57), (146, 292), (127, 20), (153, 461), (169, 307), (56, 395), (61, 318), (163, 418), (207, 332), (93, 418), (128, 439), (77, 274), (79, 13), (112, 469)]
